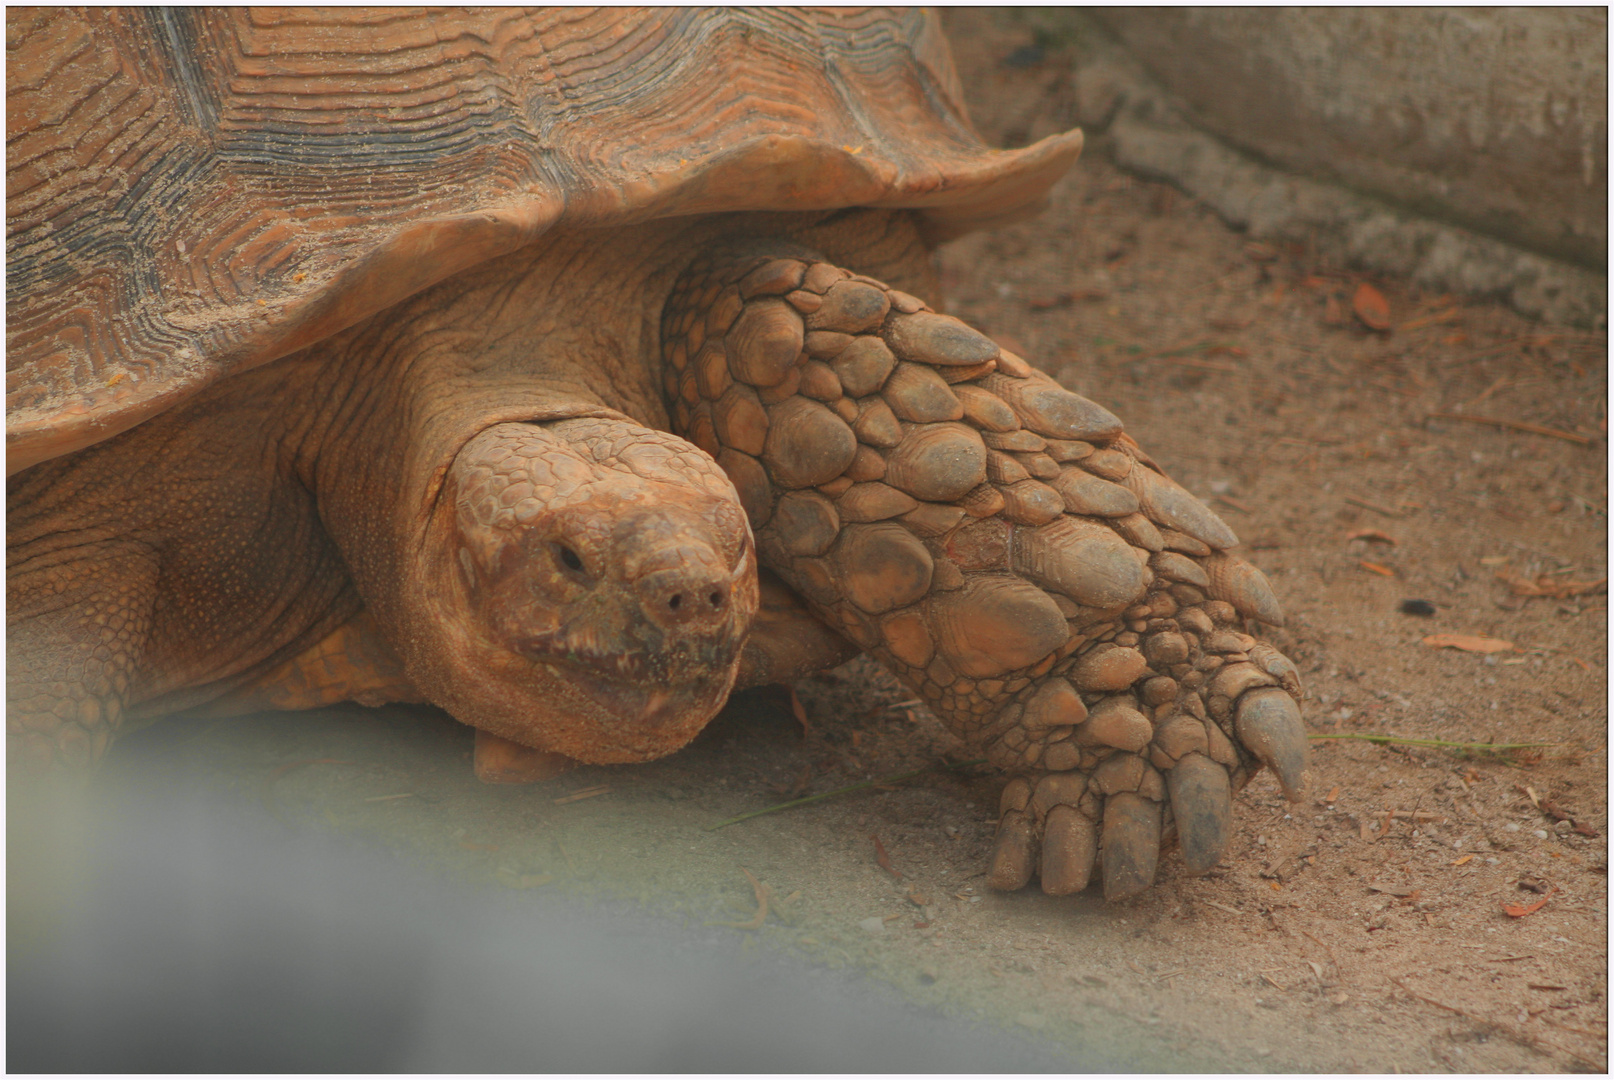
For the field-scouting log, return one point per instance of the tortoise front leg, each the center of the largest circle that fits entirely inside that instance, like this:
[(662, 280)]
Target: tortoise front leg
[(1004, 548), (77, 619)]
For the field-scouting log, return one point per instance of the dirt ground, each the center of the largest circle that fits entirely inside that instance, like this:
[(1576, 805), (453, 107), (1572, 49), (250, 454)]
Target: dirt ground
[(1366, 928)]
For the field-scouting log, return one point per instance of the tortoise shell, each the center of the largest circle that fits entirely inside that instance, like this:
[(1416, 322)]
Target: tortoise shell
[(192, 193)]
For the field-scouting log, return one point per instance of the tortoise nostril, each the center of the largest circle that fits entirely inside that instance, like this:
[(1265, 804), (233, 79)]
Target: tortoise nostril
[(676, 601), (568, 557), (716, 599)]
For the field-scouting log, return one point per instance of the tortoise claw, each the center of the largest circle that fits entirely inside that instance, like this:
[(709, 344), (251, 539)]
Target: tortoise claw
[(1013, 858), (1131, 844), (1202, 804), (1269, 725), (1069, 847)]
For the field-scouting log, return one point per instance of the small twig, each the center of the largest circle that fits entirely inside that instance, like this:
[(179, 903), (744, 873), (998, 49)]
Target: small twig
[(1442, 744), (1376, 508), (756, 921), (1515, 425), (1523, 1038), (865, 785)]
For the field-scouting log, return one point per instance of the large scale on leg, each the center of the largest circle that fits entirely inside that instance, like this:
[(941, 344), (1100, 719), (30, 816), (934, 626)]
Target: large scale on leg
[(1005, 548)]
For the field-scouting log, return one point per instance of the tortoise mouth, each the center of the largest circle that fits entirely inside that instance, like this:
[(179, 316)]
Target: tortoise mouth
[(637, 690)]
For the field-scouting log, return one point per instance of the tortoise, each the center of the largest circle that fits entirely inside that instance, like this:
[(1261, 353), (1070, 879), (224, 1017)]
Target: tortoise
[(569, 370)]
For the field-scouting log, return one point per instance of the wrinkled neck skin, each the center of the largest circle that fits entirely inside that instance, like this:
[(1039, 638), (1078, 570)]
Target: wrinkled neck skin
[(563, 330)]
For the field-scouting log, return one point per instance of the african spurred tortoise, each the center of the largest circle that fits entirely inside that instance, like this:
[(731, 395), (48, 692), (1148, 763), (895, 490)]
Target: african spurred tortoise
[(568, 370)]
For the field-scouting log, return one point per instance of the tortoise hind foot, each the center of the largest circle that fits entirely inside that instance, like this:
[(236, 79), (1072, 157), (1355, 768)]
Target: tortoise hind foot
[(1002, 546)]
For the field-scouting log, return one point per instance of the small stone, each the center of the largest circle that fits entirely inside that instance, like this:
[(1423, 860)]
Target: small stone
[(1195, 621), (872, 925), (764, 342), (925, 337)]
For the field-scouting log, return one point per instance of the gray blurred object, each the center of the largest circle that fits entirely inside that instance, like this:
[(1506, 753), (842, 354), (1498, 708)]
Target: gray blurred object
[(152, 928), (1467, 147)]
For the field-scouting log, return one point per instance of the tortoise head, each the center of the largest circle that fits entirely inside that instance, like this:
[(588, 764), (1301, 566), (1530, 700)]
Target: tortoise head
[(593, 588)]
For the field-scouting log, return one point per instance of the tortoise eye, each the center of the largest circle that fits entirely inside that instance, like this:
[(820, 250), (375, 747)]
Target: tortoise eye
[(569, 558)]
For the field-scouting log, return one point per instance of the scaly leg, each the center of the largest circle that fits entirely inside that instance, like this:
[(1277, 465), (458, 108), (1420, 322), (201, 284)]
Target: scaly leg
[(77, 617), (1003, 547)]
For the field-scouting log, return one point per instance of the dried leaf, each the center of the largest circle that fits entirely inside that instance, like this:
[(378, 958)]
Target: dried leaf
[(1371, 307), (1467, 643), (882, 858), (1375, 535), (1519, 911), (1549, 586), (1377, 568), (1465, 859)]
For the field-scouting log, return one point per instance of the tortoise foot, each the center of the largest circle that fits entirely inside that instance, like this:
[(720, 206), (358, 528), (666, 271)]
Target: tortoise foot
[(1002, 546), (500, 761)]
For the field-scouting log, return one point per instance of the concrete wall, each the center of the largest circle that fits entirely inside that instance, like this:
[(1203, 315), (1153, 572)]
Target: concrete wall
[(1492, 119)]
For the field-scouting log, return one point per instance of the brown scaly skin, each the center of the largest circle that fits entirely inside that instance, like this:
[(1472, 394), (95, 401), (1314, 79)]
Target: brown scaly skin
[(473, 499)]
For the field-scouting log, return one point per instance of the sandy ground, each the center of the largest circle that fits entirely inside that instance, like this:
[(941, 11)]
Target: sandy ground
[(1366, 928)]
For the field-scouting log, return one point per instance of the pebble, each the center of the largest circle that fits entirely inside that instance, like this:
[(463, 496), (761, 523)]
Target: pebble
[(872, 925)]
